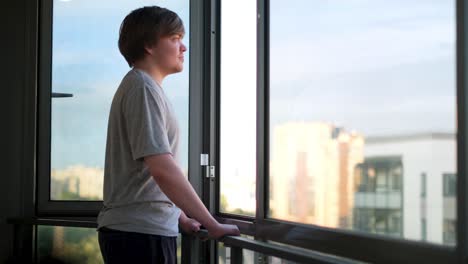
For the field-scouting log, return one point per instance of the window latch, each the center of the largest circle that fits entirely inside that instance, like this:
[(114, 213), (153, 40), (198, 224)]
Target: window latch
[(205, 162), (211, 173)]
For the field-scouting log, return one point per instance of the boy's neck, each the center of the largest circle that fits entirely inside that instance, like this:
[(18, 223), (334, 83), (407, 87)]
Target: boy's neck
[(152, 70)]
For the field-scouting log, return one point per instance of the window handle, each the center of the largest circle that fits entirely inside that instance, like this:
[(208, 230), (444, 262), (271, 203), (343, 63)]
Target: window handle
[(61, 95)]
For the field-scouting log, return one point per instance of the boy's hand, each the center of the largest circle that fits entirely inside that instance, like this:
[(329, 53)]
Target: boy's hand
[(221, 230), (189, 225)]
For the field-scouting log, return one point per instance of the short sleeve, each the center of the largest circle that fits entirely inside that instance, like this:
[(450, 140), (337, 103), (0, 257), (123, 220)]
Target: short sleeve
[(144, 115)]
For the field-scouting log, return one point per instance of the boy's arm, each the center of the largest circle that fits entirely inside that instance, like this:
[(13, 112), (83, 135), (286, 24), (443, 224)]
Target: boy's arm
[(173, 183)]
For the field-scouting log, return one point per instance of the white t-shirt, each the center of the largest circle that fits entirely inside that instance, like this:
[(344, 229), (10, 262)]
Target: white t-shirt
[(141, 123)]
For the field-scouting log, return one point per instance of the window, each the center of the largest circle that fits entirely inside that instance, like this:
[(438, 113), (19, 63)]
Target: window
[(378, 221), (238, 107), (423, 230), (350, 88), (382, 180), (86, 68), (350, 103), (395, 175), (450, 184), (80, 68), (450, 235), (382, 174), (351, 109), (423, 185)]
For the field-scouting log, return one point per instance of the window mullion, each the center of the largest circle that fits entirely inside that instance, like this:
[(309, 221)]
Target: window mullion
[(262, 110), (462, 144)]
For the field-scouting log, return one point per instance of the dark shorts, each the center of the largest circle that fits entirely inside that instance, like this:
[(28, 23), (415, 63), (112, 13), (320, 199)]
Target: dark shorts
[(128, 247)]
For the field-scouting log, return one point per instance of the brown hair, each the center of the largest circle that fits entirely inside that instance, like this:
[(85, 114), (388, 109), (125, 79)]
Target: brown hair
[(144, 27)]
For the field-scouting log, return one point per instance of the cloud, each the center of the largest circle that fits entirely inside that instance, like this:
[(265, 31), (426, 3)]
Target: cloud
[(370, 101), (121, 7), (375, 66), (365, 50), (352, 36)]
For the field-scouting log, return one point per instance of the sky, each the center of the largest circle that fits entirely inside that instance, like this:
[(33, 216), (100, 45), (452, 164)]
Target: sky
[(378, 67), (88, 64), (375, 67)]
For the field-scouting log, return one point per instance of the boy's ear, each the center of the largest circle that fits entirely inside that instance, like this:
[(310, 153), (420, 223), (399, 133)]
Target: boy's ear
[(149, 49)]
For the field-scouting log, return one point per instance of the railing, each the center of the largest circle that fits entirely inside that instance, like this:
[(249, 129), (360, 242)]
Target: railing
[(237, 244)]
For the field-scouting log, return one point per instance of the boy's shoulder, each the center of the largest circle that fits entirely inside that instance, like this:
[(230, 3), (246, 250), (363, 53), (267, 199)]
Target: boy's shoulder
[(132, 82), (134, 77)]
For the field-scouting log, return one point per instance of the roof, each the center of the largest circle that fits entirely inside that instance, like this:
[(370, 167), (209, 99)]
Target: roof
[(411, 137)]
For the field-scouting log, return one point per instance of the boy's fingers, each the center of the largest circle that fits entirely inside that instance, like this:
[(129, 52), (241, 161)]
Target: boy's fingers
[(195, 228)]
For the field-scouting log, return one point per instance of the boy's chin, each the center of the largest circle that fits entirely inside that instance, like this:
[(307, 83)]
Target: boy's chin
[(178, 69)]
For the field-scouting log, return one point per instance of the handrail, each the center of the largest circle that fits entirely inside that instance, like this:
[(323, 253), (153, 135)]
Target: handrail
[(82, 222), (275, 250), (237, 243)]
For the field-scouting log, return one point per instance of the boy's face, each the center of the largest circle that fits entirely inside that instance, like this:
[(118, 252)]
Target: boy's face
[(168, 54)]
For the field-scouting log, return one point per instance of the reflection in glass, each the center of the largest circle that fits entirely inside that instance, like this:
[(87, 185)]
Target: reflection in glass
[(68, 245), (86, 63), (238, 107), (58, 244), (362, 116)]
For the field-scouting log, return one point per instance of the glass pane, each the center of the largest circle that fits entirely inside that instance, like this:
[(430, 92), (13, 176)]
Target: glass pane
[(86, 62), (363, 116), (224, 255), (238, 107), (58, 244)]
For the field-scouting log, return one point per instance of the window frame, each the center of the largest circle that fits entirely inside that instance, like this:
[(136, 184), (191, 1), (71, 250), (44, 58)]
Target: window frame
[(215, 121), (75, 208), (69, 212), (46, 206), (370, 247), (205, 138)]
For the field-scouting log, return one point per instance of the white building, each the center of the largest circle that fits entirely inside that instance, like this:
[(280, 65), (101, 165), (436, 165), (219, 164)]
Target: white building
[(410, 179)]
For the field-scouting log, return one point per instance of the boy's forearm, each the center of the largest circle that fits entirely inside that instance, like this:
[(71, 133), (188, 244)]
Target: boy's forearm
[(183, 217), (174, 184)]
